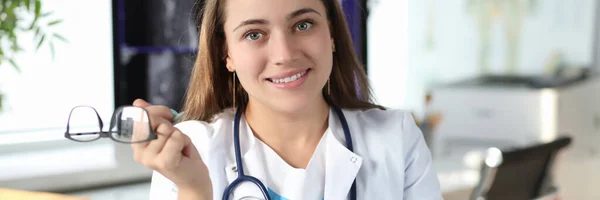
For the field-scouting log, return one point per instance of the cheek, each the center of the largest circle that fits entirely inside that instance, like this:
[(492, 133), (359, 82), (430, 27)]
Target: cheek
[(321, 53), (249, 68), (321, 48)]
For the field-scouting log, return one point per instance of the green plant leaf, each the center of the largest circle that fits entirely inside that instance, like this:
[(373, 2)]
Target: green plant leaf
[(37, 32), (60, 37), (52, 23), (1, 97), (40, 42), (47, 14), (27, 4), (38, 8), (15, 48), (52, 50), (14, 64), (13, 5), (32, 25)]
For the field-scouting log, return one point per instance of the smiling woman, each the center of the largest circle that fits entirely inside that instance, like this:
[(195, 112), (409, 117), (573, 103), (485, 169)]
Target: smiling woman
[(272, 112), (243, 35)]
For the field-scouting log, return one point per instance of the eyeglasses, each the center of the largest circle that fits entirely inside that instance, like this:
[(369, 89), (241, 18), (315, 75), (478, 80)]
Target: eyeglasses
[(128, 124)]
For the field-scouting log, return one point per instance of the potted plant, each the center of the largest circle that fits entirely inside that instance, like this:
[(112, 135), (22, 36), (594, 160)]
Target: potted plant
[(24, 16)]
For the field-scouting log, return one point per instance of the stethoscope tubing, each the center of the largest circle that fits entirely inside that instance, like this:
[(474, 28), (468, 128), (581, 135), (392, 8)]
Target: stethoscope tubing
[(240, 167)]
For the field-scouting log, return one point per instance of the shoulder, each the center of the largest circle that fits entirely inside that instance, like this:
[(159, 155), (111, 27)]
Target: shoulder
[(195, 128), (389, 119), (395, 135), (203, 134), (396, 127)]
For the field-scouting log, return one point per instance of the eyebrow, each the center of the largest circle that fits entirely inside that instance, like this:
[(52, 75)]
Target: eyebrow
[(290, 16)]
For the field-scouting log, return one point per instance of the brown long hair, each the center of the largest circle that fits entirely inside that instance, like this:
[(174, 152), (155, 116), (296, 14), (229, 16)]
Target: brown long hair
[(210, 87)]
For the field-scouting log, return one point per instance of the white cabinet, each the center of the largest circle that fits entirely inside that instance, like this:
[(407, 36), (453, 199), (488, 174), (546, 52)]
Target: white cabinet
[(481, 116)]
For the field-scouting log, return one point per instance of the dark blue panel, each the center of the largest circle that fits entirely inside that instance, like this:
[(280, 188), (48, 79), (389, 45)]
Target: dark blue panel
[(353, 17)]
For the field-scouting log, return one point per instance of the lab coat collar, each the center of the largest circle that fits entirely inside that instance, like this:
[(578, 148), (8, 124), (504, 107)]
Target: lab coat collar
[(252, 160), (342, 165)]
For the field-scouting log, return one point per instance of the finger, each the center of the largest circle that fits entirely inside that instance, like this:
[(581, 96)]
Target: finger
[(160, 111), (165, 128), (142, 131), (172, 151), (141, 103), (156, 122), (154, 147), (147, 151)]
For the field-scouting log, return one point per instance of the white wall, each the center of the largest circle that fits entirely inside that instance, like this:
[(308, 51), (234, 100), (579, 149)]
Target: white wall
[(34, 155), (41, 97), (401, 67), (387, 51)]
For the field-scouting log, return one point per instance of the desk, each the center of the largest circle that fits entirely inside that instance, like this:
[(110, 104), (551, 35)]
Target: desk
[(456, 179), (578, 178), (10, 194)]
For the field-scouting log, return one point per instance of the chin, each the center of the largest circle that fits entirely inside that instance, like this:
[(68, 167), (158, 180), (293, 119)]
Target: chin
[(293, 105)]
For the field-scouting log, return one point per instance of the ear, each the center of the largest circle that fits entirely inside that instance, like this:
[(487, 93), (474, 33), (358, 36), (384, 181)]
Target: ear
[(226, 58), (332, 45), (229, 64)]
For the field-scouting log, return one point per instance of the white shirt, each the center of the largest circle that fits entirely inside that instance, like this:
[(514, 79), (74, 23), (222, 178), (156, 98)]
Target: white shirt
[(287, 182), (390, 159)]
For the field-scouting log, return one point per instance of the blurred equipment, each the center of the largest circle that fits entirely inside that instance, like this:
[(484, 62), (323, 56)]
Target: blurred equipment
[(519, 174), (513, 111), (429, 122)]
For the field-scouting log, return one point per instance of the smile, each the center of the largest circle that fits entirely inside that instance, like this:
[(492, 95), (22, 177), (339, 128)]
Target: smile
[(289, 78), (290, 81)]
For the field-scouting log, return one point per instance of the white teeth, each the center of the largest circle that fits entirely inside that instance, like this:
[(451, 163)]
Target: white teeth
[(289, 79)]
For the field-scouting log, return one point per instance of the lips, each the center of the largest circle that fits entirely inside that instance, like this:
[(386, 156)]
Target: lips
[(289, 78)]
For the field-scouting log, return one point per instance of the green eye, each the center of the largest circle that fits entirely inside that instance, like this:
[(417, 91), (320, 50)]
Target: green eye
[(253, 36), (302, 26)]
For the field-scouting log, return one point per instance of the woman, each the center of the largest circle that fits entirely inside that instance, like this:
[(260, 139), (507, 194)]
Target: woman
[(282, 76)]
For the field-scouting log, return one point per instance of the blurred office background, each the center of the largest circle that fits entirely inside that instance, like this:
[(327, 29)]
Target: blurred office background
[(476, 74)]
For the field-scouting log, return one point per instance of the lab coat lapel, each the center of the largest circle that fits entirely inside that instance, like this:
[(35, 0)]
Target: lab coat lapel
[(342, 165), (252, 160)]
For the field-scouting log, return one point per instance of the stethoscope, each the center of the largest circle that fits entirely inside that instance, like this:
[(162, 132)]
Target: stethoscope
[(240, 168)]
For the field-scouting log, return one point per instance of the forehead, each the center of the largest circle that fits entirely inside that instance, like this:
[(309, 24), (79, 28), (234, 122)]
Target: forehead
[(240, 10)]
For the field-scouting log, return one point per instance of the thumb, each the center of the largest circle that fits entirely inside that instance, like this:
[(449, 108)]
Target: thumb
[(141, 103)]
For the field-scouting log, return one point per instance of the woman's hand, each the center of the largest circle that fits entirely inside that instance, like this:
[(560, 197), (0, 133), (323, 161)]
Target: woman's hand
[(173, 155)]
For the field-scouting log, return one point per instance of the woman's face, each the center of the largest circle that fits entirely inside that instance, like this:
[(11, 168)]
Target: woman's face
[(281, 50)]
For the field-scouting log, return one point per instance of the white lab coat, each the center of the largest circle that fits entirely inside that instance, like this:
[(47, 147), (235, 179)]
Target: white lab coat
[(390, 158)]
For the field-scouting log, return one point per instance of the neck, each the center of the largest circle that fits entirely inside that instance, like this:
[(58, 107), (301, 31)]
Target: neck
[(282, 130)]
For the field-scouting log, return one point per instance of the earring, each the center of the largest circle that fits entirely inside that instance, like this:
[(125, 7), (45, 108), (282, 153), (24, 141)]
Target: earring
[(332, 46), (233, 89), (328, 87)]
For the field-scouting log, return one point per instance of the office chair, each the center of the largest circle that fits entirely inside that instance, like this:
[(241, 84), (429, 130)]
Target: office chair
[(518, 174)]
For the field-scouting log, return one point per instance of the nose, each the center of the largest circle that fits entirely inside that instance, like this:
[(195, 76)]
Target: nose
[(283, 49)]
